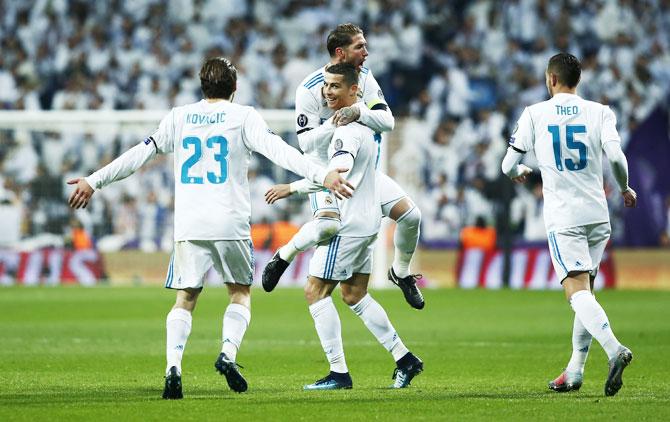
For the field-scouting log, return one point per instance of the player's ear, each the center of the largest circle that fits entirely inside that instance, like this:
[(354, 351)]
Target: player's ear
[(554, 79)]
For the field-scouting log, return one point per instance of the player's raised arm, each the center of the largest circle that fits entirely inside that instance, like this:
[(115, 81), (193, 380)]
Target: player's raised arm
[(122, 167), (260, 139)]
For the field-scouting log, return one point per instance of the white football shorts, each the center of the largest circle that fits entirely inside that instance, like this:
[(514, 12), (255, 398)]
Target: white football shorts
[(342, 257), (192, 259), (578, 248), (390, 192)]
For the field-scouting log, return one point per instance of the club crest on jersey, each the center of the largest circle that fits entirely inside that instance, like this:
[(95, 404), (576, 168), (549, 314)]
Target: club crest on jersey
[(148, 140), (302, 120), (338, 144), (329, 200)]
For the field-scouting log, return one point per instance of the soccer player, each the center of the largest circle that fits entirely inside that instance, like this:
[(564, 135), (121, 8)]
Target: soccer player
[(347, 258), (315, 125), (212, 142), (569, 135)]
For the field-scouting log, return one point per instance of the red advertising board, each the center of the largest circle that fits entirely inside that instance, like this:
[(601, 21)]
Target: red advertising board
[(51, 266), (531, 268)]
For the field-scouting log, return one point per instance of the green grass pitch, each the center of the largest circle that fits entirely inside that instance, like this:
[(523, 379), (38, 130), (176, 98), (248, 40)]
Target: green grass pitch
[(98, 354)]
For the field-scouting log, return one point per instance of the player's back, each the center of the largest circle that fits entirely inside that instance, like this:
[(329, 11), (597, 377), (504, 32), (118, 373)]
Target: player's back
[(360, 214), (211, 160), (567, 135)]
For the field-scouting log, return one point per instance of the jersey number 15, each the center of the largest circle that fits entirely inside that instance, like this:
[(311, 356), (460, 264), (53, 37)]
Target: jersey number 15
[(220, 145), (571, 143)]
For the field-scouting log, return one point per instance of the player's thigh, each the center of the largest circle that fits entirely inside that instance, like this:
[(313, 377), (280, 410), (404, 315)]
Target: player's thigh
[(390, 193), (341, 257), (189, 264), (598, 236), (234, 261), (569, 251), (323, 202)]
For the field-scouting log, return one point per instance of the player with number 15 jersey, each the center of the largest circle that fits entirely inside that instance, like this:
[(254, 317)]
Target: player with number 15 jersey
[(569, 135)]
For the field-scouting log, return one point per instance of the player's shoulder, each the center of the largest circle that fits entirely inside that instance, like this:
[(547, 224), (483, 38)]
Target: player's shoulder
[(313, 79)]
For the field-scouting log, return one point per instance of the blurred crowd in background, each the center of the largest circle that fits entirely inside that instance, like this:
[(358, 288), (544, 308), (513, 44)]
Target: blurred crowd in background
[(456, 74)]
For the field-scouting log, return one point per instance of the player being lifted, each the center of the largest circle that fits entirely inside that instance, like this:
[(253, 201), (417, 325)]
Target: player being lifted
[(569, 135), (212, 142), (347, 258), (316, 124)]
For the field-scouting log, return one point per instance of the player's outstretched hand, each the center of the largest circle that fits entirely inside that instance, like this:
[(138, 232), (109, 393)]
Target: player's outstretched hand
[(277, 192), (82, 193), (629, 198), (346, 115), (524, 171), (337, 184)]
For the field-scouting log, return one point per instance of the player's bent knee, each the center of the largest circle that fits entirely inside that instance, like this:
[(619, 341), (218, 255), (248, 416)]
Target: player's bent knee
[(411, 218), (327, 228)]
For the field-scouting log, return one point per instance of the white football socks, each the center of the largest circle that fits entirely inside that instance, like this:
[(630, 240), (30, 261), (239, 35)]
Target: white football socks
[(329, 329), (310, 234), (178, 328), (594, 319), (236, 319), (581, 343), (405, 238), (374, 317)]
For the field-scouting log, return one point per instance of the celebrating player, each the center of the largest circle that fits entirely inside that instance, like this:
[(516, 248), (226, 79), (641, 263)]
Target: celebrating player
[(569, 135), (212, 142), (315, 124), (347, 258)]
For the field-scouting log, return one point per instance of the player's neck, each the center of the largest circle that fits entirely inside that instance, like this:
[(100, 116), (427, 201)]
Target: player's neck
[(215, 100), (565, 90)]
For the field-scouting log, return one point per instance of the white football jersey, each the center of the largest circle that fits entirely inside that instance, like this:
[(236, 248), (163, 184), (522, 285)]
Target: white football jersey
[(567, 134), (361, 214), (311, 109), (212, 145)]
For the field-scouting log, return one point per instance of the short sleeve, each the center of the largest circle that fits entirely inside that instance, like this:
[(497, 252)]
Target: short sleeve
[(609, 132), (306, 110), (344, 141), (522, 138), (163, 137)]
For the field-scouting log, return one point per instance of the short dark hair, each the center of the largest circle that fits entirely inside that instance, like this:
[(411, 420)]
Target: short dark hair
[(218, 78), (347, 70), (567, 68), (341, 36)]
